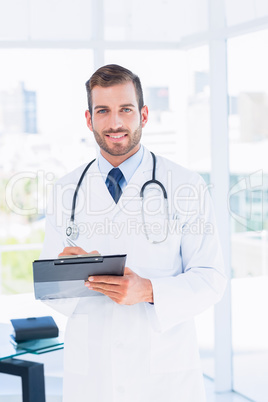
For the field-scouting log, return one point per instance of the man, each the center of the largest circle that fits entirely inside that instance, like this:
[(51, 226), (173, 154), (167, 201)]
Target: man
[(134, 340)]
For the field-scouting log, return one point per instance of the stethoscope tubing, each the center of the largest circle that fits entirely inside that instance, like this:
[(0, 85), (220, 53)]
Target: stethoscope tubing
[(72, 230), (78, 187)]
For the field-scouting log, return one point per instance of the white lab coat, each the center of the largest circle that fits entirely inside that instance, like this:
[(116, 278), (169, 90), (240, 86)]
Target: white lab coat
[(143, 352)]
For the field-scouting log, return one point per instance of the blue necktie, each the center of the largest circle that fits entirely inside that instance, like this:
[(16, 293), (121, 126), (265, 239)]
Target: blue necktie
[(112, 183)]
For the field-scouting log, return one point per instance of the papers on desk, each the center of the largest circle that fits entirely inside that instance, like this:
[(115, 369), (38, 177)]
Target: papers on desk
[(38, 346), (65, 277)]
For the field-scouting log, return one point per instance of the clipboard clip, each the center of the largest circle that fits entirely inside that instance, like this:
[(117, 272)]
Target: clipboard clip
[(78, 260)]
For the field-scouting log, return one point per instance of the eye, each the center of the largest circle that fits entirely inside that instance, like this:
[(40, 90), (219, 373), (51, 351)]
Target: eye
[(101, 111), (126, 110)]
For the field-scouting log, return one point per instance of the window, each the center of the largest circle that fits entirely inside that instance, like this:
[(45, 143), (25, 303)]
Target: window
[(42, 136), (249, 184)]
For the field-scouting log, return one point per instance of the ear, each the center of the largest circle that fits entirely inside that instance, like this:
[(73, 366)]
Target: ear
[(144, 115), (89, 120)]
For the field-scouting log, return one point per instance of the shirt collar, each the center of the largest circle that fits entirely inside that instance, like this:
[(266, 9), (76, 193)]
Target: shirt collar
[(128, 167)]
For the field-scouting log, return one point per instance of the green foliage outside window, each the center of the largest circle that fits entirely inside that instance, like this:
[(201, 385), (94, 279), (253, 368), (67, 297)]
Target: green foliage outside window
[(16, 268)]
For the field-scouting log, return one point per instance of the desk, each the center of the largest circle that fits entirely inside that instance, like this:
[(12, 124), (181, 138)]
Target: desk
[(31, 373)]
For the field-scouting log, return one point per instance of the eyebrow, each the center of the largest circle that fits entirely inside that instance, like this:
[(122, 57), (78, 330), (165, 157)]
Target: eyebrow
[(100, 107), (107, 107), (127, 105)]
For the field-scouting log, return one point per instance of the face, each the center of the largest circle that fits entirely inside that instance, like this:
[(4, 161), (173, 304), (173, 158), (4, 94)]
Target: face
[(116, 121)]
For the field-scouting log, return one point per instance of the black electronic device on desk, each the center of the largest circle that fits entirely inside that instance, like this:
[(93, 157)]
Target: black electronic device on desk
[(31, 373), (26, 329), (65, 277)]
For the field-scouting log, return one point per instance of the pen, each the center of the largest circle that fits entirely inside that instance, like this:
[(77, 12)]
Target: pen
[(70, 242)]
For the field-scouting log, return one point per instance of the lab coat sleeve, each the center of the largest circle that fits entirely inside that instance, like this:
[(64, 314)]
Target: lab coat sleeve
[(53, 245), (202, 281)]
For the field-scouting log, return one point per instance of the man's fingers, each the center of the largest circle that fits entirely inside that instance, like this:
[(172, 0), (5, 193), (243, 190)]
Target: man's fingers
[(76, 251), (113, 280), (104, 288), (72, 251), (128, 271), (115, 296), (94, 252)]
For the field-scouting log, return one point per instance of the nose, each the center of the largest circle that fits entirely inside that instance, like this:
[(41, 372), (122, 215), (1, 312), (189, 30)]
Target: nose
[(115, 121)]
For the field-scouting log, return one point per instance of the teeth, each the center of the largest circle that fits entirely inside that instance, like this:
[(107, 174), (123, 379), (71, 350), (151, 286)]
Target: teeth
[(117, 136)]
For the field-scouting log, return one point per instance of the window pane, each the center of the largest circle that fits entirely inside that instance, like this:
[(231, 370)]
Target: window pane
[(168, 20), (248, 122), (65, 20), (240, 11), (43, 135)]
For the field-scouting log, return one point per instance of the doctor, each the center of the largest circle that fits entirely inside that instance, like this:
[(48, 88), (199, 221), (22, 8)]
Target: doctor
[(134, 340)]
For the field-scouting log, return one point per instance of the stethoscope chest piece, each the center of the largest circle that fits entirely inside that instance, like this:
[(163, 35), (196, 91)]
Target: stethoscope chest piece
[(72, 231)]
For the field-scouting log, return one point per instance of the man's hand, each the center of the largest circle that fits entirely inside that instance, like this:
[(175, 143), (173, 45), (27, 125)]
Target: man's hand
[(128, 289)]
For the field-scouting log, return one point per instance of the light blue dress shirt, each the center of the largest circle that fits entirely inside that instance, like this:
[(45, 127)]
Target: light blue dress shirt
[(128, 167)]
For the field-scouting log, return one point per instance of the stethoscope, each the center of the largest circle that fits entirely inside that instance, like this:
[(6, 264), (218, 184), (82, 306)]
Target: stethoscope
[(72, 231)]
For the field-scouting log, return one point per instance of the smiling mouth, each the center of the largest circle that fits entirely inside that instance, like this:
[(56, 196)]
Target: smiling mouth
[(116, 136)]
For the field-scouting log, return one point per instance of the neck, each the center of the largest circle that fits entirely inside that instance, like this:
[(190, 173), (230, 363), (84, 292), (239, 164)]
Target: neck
[(116, 160)]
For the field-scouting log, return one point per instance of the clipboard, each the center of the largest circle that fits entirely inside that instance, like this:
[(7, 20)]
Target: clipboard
[(65, 277)]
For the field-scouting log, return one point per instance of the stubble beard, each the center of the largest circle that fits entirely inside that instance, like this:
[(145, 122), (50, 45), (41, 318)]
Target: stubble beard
[(117, 149)]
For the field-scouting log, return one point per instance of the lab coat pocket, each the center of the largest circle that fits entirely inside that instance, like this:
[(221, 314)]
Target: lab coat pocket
[(76, 344), (165, 255), (174, 350)]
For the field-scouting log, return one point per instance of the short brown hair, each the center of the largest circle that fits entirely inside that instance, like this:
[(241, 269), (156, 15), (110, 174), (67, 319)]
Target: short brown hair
[(110, 75)]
